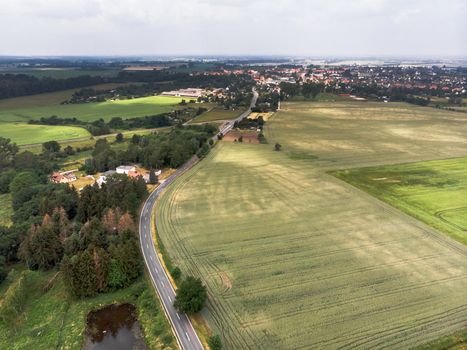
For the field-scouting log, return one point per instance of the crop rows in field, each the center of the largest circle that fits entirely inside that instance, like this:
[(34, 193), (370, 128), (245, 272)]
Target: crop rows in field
[(296, 259)]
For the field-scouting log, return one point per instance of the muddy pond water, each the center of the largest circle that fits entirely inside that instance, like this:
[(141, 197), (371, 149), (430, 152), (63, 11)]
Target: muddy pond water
[(114, 327)]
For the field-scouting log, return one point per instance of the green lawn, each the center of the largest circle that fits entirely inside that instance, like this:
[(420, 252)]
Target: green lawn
[(23, 134), (91, 111), (295, 258), (6, 211), (51, 320)]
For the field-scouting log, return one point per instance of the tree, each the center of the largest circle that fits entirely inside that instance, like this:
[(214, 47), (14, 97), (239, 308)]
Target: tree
[(6, 177), (41, 248), (51, 147), (127, 257), (176, 273), (240, 139), (69, 150), (101, 265), (80, 274), (277, 147), (119, 138), (311, 90), (7, 152), (93, 233), (126, 224), (22, 181), (191, 296), (153, 177), (110, 221), (215, 342)]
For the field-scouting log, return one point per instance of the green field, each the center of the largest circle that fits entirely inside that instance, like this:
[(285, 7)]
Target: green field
[(92, 111), (45, 100), (24, 134), (51, 320), (217, 114), (16, 112), (434, 191), (6, 211), (295, 258)]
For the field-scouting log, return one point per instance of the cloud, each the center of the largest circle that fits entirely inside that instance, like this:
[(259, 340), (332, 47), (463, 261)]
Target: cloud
[(290, 27)]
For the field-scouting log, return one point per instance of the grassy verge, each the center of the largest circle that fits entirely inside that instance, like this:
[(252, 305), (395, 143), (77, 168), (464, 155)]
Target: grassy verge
[(51, 320)]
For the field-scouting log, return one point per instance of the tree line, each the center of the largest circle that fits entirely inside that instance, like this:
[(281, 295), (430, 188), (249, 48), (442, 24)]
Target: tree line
[(14, 85), (153, 151), (101, 127)]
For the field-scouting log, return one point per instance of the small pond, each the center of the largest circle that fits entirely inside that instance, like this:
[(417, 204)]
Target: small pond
[(114, 327)]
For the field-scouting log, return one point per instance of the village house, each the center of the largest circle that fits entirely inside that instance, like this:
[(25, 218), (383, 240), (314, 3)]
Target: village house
[(63, 177)]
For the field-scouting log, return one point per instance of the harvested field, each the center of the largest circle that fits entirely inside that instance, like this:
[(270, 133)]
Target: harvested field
[(295, 258), (265, 115), (248, 136)]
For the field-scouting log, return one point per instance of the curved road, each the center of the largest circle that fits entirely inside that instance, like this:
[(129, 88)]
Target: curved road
[(181, 324)]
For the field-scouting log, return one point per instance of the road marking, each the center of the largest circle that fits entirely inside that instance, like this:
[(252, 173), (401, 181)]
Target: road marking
[(163, 285), (147, 245), (187, 336), (170, 298), (178, 316), (150, 257)]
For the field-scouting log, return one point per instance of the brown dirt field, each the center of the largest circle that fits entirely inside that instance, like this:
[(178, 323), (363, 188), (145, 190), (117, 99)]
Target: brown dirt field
[(248, 136)]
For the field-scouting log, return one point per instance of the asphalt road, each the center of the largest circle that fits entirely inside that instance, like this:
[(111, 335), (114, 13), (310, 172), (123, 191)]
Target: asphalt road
[(184, 331), (229, 125)]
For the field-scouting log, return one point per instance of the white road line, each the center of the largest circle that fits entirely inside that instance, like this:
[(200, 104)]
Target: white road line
[(150, 257), (187, 336), (147, 245), (178, 316), (170, 298), (163, 285)]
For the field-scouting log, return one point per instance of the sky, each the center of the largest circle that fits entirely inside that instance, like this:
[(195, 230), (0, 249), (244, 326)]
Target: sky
[(312, 28)]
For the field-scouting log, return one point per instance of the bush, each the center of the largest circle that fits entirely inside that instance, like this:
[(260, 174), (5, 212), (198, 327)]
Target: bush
[(215, 342), (176, 273)]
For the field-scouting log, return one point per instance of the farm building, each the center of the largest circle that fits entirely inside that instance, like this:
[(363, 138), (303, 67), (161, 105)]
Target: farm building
[(190, 92), (125, 169)]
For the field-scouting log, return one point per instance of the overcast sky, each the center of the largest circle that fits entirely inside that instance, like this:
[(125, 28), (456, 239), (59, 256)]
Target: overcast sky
[(432, 28)]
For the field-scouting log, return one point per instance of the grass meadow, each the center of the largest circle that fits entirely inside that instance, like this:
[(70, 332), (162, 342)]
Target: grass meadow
[(295, 258)]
